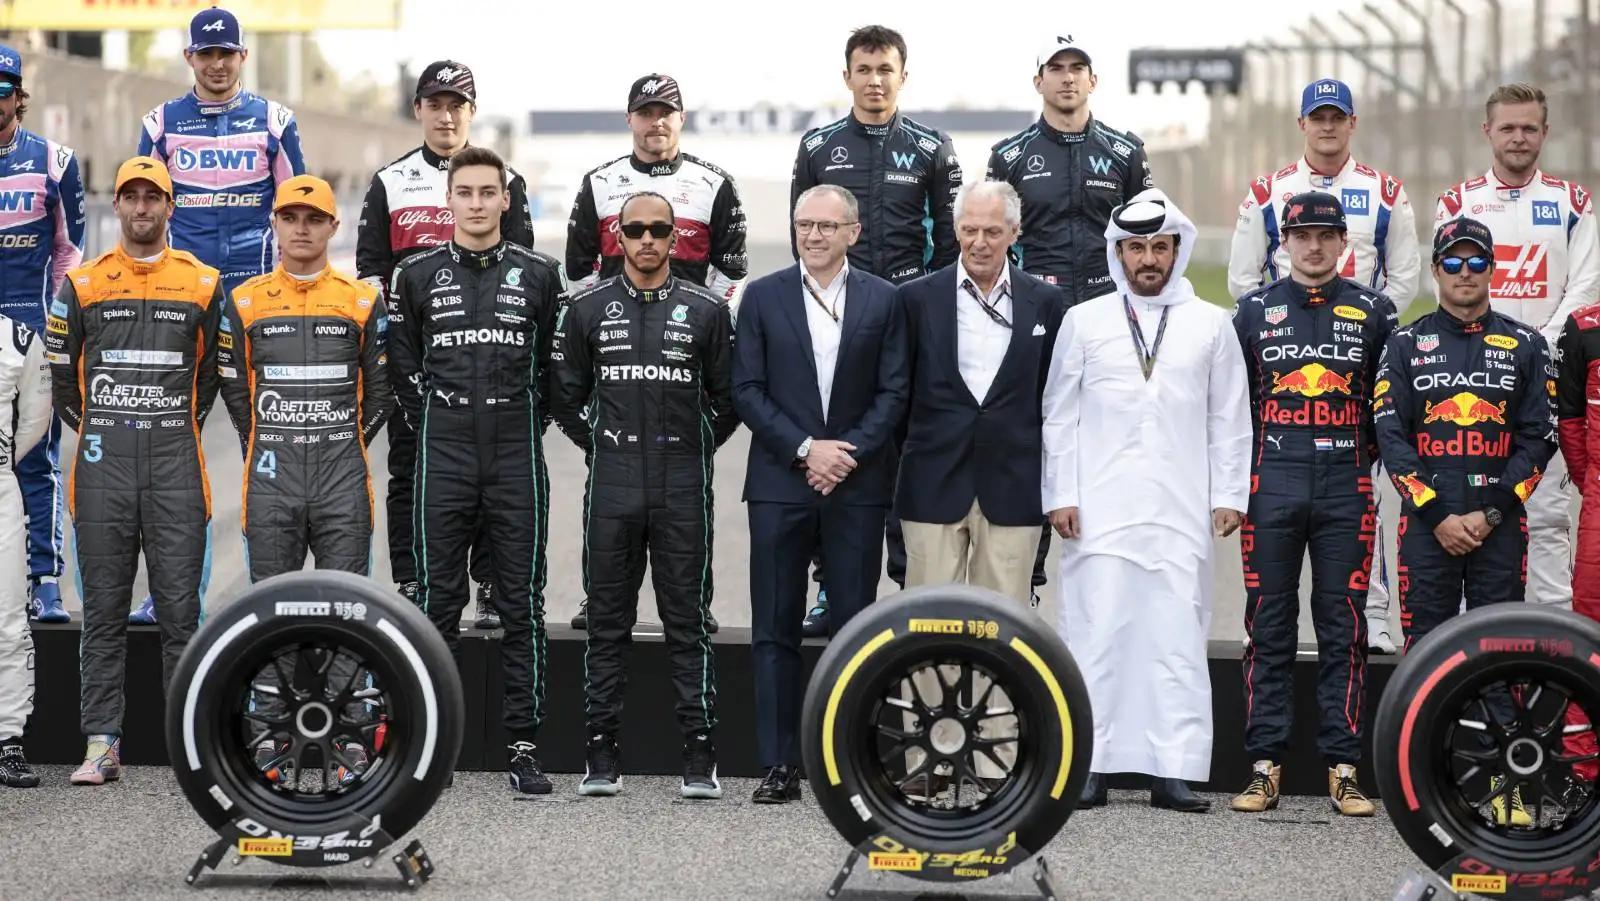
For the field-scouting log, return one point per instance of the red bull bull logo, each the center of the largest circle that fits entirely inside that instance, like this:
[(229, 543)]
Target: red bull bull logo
[(1311, 380), (1464, 409), (1524, 488), (1419, 491)]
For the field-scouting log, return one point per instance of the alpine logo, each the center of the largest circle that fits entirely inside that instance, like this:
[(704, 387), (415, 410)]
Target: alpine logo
[(1100, 165), (214, 26)]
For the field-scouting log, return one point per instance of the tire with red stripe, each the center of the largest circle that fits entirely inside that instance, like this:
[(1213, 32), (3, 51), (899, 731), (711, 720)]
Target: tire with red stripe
[(1437, 749), (315, 719), (946, 733)]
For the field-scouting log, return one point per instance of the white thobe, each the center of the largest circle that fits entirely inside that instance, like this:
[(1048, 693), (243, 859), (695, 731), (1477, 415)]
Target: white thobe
[(1145, 462)]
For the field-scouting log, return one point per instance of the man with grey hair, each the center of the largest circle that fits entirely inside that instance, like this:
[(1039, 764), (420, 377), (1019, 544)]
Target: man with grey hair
[(820, 375), (981, 333), (1147, 458)]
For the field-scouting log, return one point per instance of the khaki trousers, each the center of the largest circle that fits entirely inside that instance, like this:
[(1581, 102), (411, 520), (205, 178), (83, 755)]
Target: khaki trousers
[(972, 551)]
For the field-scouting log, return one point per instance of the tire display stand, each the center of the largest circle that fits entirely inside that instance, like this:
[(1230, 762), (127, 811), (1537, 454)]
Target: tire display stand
[(1484, 748), (313, 723), (933, 697)]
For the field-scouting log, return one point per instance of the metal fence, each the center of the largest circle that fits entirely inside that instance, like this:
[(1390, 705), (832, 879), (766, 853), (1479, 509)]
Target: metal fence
[(1421, 71)]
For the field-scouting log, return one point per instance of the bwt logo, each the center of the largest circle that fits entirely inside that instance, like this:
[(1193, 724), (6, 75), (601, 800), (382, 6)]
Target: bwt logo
[(17, 201), (213, 158)]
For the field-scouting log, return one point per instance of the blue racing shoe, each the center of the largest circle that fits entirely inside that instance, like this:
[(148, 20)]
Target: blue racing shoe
[(44, 602), (145, 615)]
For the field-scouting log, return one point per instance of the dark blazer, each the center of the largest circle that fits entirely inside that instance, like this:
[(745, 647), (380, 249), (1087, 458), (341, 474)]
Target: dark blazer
[(958, 447), (775, 387)]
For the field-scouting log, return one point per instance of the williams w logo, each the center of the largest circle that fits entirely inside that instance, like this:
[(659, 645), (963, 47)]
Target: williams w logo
[(1100, 165), (904, 160)]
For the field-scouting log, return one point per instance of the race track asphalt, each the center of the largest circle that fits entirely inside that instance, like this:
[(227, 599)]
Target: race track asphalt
[(567, 473)]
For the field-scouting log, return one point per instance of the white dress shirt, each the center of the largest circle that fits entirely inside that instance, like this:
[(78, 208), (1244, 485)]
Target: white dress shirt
[(826, 329), (980, 341)]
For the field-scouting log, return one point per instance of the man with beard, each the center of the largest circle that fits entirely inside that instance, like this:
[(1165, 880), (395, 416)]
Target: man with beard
[(37, 247), (1382, 252), (710, 247), (1147, 461), (1310, 488), (644, 385), (1547, 265), (1071, 170), (227, 151), (132, 344), (407, 211), (469, 354)]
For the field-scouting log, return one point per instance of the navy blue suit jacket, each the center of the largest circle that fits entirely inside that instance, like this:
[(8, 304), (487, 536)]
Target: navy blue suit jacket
[(957, 447), (775, 387)]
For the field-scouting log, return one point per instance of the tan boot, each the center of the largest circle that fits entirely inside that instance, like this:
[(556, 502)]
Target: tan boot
[(1261, 794), (1346, 795)]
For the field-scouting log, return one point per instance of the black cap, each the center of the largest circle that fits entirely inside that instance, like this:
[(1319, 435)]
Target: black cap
[(1314, 209), (1461, 229), (447, 77), (655, 88)]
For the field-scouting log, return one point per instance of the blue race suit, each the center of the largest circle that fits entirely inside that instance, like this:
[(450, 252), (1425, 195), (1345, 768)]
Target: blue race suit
[(226, 160), (41, 237)]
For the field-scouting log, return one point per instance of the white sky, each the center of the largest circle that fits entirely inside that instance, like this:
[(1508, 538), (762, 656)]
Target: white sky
[(732, 54)]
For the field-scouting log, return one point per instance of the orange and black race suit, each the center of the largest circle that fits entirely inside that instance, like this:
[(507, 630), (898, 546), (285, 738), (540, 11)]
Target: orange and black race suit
[(1465, 415), (306, 382), (132, 349), (1312, 357)]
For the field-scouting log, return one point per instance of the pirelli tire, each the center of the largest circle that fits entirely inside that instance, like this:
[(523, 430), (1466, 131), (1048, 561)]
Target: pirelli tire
[(340, 643), (1431, 776), (853, 749)]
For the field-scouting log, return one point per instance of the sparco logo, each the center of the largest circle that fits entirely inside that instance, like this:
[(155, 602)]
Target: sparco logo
[(411, 218), (272, 408), (105, 392), (480, 336), (628, 373)]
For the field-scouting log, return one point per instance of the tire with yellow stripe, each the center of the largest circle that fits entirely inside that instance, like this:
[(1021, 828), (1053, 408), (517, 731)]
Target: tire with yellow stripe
[(859, 717), (1486, 704), (358, 671)]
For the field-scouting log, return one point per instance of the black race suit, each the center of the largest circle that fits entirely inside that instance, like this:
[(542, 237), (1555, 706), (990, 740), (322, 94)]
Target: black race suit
[(905, 177), (1312, 357), (1466, 419), (644, 385), (469, 341), (1069, 183), (405, 211), (133, 363)]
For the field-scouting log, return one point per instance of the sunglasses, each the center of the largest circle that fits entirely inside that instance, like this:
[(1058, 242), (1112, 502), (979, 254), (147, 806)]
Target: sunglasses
[(1452, 265), (7, 89), (658, 230)]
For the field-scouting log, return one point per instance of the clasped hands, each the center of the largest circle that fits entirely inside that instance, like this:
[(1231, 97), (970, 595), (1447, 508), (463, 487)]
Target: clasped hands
[(1461, 535), (828, 463)]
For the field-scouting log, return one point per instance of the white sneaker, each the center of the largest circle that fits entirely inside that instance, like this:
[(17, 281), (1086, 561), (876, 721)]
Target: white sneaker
[(1378, 637)]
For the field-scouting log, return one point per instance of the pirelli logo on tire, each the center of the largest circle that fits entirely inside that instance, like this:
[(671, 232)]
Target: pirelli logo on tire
[(937, 626), (266, 847), (1483, 885), (903, 862)]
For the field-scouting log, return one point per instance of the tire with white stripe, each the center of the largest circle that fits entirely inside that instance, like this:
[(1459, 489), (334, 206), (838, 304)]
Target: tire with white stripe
[(211, 752)]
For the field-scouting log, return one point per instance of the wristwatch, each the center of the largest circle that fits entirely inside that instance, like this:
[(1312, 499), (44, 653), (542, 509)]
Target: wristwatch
[(1493, 516), (804, 451)]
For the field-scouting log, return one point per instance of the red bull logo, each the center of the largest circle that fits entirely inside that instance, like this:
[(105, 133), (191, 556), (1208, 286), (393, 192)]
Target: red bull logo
[(1419, 491), (1464, 409), (1311, 380), (1524, 488)]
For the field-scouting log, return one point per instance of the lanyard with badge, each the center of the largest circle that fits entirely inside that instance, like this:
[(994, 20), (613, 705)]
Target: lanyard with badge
[(989, 309), (833, 312), (1147, 353)]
